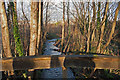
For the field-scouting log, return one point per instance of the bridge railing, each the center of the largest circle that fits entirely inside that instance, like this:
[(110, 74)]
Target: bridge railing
[(54, 61)]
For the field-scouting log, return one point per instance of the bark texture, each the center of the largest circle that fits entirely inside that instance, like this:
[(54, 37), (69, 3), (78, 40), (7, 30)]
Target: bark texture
[(5, 32), (33, 28)]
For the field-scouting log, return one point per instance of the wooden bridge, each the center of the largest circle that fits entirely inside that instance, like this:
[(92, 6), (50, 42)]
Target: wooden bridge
[(53, 61)]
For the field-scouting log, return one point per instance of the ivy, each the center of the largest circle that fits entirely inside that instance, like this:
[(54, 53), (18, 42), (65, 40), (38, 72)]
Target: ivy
[(18, 44)]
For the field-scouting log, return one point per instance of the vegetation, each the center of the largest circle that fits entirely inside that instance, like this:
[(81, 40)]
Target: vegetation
[(18, 44), (80, 29)]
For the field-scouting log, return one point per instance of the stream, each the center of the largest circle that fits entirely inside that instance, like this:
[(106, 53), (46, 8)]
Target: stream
[(54, 73)]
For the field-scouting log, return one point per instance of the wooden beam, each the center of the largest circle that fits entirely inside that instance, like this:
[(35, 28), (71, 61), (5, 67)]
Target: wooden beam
[(53, 61)]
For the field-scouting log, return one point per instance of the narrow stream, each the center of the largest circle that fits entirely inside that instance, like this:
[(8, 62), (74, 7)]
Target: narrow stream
[(54, 72)]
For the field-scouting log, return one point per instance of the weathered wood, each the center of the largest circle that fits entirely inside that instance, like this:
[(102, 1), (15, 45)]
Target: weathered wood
[(53, 61)]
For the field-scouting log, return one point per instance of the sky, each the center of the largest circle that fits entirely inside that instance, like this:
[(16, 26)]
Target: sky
[(54, 12), (58, 1)]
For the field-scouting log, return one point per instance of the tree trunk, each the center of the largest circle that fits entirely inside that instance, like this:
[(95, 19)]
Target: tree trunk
[(68, 27), (88, 35), (46, 22), (5, 32), (98, 16), (68, 31), (41, 40), (10, 28), (102, 28), (93, 24), (113, 28), (33, 28), (40, 24), (63, 27), (18, 44), (98, 22), (33, 34)]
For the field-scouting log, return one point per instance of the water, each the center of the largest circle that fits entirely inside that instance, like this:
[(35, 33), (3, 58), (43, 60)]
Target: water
[(55, 73)]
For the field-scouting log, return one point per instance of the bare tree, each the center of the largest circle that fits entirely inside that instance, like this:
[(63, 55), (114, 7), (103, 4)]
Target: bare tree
[(33, 28), (68, 21), (102, 27), (88, 35), (113, 28), (93, 22), (46, 22), (98, 21), (63, 27), (40, 24), (5, 32)]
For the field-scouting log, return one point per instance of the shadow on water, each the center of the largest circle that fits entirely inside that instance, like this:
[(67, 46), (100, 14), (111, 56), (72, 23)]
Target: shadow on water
[(54, 61)]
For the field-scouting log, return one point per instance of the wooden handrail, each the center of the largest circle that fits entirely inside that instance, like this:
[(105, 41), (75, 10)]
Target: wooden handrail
[(53, 61)]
